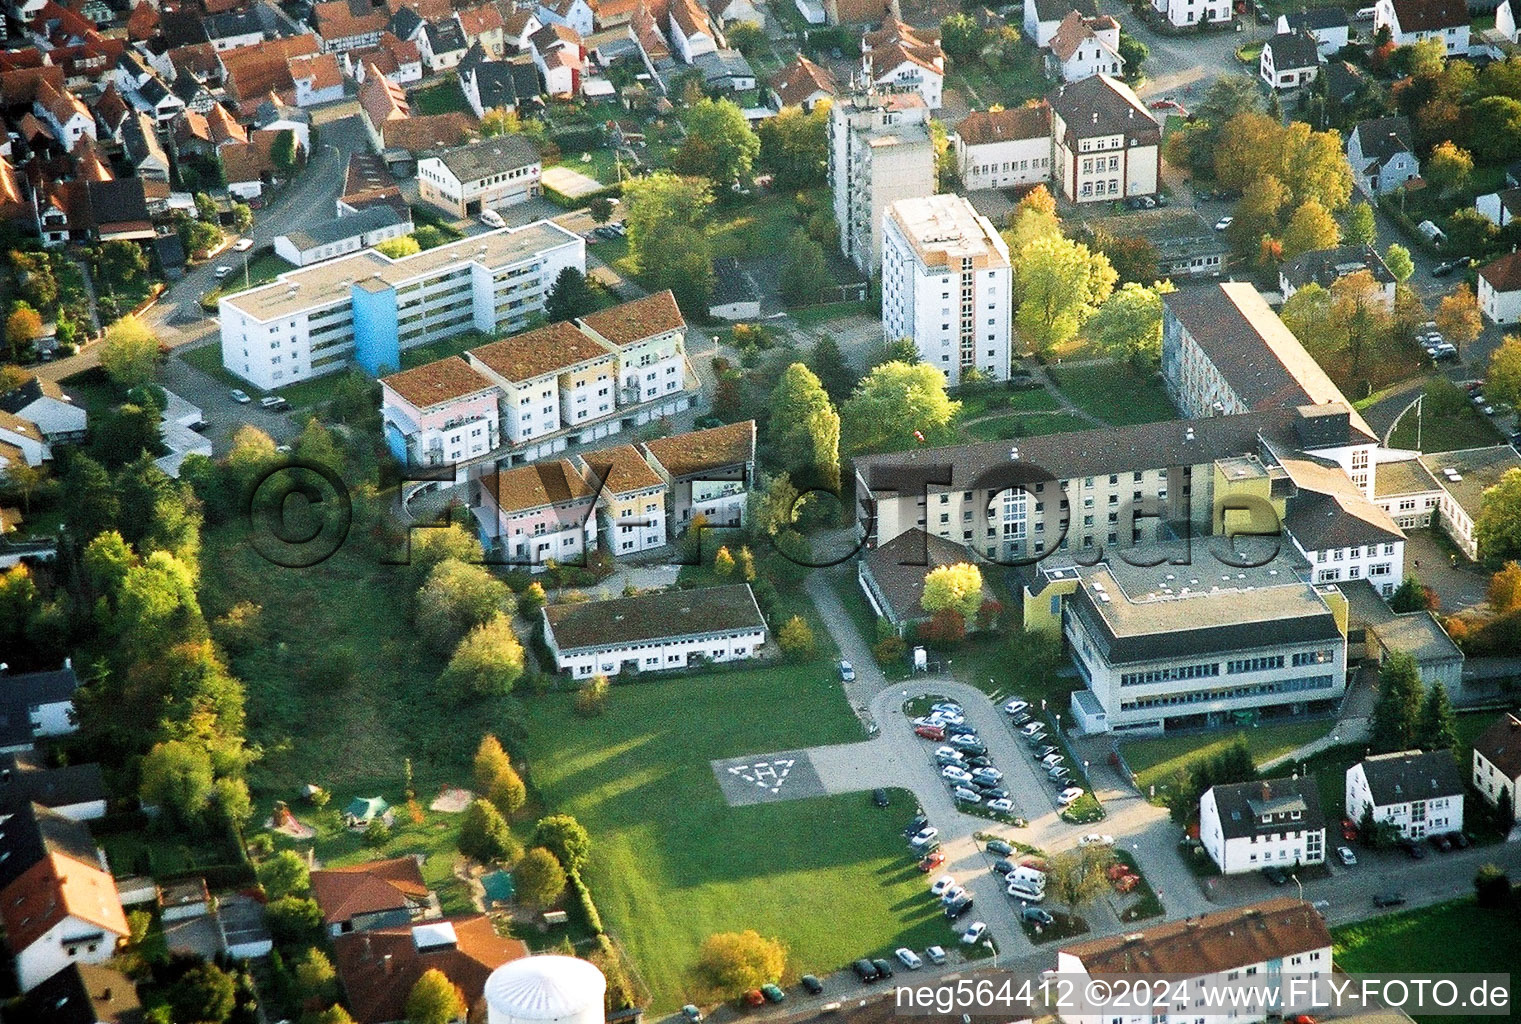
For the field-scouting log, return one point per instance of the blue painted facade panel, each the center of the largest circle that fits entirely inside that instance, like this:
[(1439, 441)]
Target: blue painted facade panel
[(377, 346)]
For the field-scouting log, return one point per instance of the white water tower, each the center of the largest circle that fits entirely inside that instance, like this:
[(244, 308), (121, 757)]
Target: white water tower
[(545, 989)]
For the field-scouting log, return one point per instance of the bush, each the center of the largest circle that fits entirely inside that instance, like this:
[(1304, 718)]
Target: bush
[(484, 835), (889, 650), (795, 638)]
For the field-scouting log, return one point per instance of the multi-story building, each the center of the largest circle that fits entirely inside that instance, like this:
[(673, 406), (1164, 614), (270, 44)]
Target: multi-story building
[(1500, 289), (439, 413), (946, 284), (1443, 489), (1330, 26), (1164, 647), (1106, 145), (1043, 17), (549, 379), (369, 307), (1084, 47), (1263, 944), (631, 499), (1419, 793), (486, 175), (649, 337), (1327, 266), (1289, 60), (654, 632), (533, 515), (1004, 148), (880, 151), (1382, 155), (1272, 823), (1413, 21), (897, 58), (708, 473), (1186, 13), (1497, 764)]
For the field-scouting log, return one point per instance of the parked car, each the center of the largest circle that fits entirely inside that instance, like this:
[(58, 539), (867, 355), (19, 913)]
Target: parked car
[(1003, 865), (948, 718), (1035, 915), (952, 894), (1346, 856), (941, 884), (931, 862), (1096, 839), (240, 396), (755, 997), (1300, 1018), (1388, 899), (1000, 847), (811, 984), (960, 729), (945, 759), (884, 969), (879, 797), (274, 403), (967, 795), (974, 934), (1461, 840), (773, 993), (1037, 739), (692, 1014), (1031, 729), (1002, 805), (955, 774), (950, 707), (971, 764), (1276, 875), (1021, 891), (866, 971), (1414, 849), (992, 792), (492, 219), (242, 245), (908, 958), (1444, 268), (1224, 222), (1441, 842), (934, 954), (222, 272), (1022, 718), (958, 908), (967, 744), (990, 774), (924, 836), (1046, 751), (1053, 759), (847, 673), (918, 821), (1069, 794), (1058, 772), (1015, 706), (1348, 830), (930, 732)]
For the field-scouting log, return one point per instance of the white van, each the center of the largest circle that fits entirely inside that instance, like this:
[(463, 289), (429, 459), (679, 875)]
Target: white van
[(1027, 878), (1366, 13)]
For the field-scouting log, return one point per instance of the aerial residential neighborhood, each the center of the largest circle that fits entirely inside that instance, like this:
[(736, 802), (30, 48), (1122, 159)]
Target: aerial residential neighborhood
[(600, 511)]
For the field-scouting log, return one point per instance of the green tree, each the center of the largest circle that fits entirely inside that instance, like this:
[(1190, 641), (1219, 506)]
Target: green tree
[(285, 874), (684, 265), (1356, 306), (1498, 528), (962, 37), (659, 202), (1134, 53), (746, 36), (491, 761), (729, 963), (563, 836), (1078, 877), (435, 999), (1448, 167), (1469, 232), (1361, 228), (805, 273), (1397, 259), (834, 373), (957, 587), (206, 208), (199, 237), (315, 977), (539, 877), (129, 353), (242, 218), (1396, 713), (1457, 317), (795, 146), (806, 428), (1497, 129), (456, 598), (1058, 283), (892, 402), (282, 153), (1310, 229), (1409, 596), (484, 835), (294, 920), (1491, 887), (89, 499), (1129, 323), (508, 794), (487, 662), (1034, 218), (795, 638), (601, 209), (397, 248), (205, 994), (570, 297), (22, 327), (177, 776), (432, 546), (1503, 378), (719, 144), (1438, 728), (26, 481)]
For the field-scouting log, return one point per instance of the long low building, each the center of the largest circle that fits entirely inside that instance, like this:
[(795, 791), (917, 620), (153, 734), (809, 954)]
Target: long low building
[(370, 308), (655, 632)]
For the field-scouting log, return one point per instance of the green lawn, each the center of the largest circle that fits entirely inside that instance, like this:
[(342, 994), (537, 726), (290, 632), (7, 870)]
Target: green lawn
[(1011, 84), (1115, 392), (301, 395), (1156, 761), (996, 400), (672, 863), (603, 164), (996, 428), (446, 98), (1447, 938), (762, 225), (1450, 433), (812, 316)]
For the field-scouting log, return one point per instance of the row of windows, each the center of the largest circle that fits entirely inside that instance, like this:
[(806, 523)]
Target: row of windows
[(1166, 675), (1258, 664), (1255, 690)]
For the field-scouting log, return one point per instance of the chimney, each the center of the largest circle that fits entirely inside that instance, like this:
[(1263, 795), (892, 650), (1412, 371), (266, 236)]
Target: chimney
[(367, 946), (1267, 791), (387, 962)]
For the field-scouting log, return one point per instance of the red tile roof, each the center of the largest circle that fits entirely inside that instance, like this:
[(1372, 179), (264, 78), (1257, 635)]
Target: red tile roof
[(370, 888), (1504, 274), (55, 888)]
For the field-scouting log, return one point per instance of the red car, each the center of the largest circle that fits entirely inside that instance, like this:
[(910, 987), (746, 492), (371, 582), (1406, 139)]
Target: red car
[(932, 862), (1348, 830), (1301, 1018), (754, 997), (930, 732)]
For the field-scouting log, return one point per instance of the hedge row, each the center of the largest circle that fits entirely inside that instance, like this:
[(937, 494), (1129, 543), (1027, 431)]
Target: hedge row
[(588, 905)]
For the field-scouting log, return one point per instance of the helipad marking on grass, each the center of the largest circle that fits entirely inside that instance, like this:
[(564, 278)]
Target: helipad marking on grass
[(768, 775)]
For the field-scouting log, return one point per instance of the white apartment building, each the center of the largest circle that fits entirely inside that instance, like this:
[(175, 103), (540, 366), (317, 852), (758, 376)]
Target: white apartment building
[(1183, 13), (1499, 292), (709, 473), (880, 151), (896, 58), (1412, 21), (649, 337), (655, 632), (947, 284), (1420, 793), (550, 379), (1084, 47), (1106, 144), (369, 307), (1004, 148), (630, 500), (532, 515), (1497, 763), (1273, 823), (1259, 944), (440, 412)]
